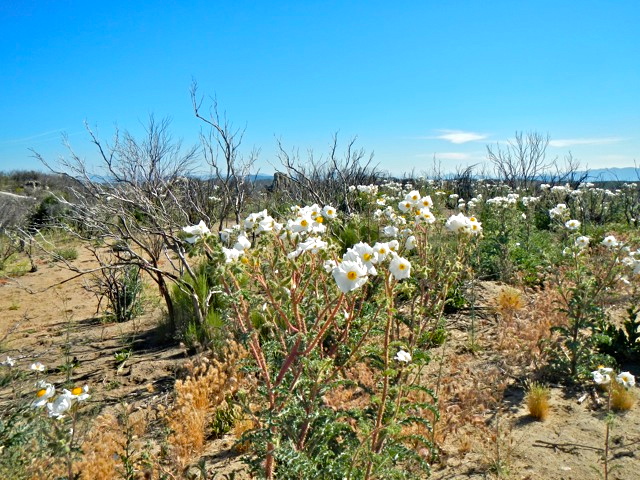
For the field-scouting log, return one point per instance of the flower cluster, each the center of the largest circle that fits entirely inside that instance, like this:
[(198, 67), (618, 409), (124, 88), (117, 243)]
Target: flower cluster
[(360, 261), (58, 407), (602, 376)]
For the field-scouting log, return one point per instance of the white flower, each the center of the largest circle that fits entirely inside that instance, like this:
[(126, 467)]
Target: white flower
[(44, 393), (313, 244), (231, 254), (602, 376), (9, 362), (400, 267), (582, 241), (458, 223), (410, 243), (382, 249), (610, 241), (425, 215), (225, 235), (78, 393), (301, 224), (390, 231), (242, 243), (196, 231), (37, 366), (413, 197), (626, 379), (405, 206), (251, 221), (403, 356), (329, 265), (329, 212), (426, 202), (364, 253), (572, 224), (60, 406), (475, 227), (350, 275), (267, 224)]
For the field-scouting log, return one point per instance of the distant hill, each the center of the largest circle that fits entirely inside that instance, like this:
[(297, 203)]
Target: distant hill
[(627, 174)]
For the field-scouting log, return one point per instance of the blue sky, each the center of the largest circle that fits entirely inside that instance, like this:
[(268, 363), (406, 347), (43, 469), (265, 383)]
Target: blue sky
[(413, 80)]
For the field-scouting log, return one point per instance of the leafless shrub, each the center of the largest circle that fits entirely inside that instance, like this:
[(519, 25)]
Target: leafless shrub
[(14, 210), (327, 181), (521, 161), (138, 206), (232, 180)]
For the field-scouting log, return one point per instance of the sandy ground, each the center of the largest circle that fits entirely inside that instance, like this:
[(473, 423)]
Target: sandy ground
[(42, 313)]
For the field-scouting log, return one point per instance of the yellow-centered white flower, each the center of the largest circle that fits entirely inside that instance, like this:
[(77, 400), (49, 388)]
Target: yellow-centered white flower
[(350, 275), (400, 267)]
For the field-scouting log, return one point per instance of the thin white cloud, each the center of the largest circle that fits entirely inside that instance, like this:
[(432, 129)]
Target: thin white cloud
[(571, 142), (57, 133), (459, 136), (453, 156)]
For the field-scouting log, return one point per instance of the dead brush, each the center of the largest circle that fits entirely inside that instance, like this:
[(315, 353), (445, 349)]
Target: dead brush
[(353, 396), (206, 388), (468, 391), (509, 302), (523, 341), (113, 448)]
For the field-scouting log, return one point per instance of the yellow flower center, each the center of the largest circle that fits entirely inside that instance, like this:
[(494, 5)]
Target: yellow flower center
[(329, 212), (319, 219), (415, 197), (244, 260), (383, 251), (77, 391), (366, 257), (402, 266), (304, 223), (473, 219), (352, 275), (41, 392)]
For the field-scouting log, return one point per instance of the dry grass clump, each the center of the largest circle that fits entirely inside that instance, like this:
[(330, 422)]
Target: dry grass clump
[(468, 391), (509, 301), (243, 425), (538, 401), (523, 339), (622, 399), (197, 397), (113, 445)]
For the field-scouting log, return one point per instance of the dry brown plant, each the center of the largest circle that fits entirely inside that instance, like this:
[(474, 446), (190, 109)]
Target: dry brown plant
[(524, 337), (115, 439), (538, 401), (509, 302), (206, 388), (468, 391), (354, 396), (622, 399)]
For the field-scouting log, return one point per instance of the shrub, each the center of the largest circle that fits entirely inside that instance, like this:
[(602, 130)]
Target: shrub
[(122, 288), (68, 254), (210, 333)]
